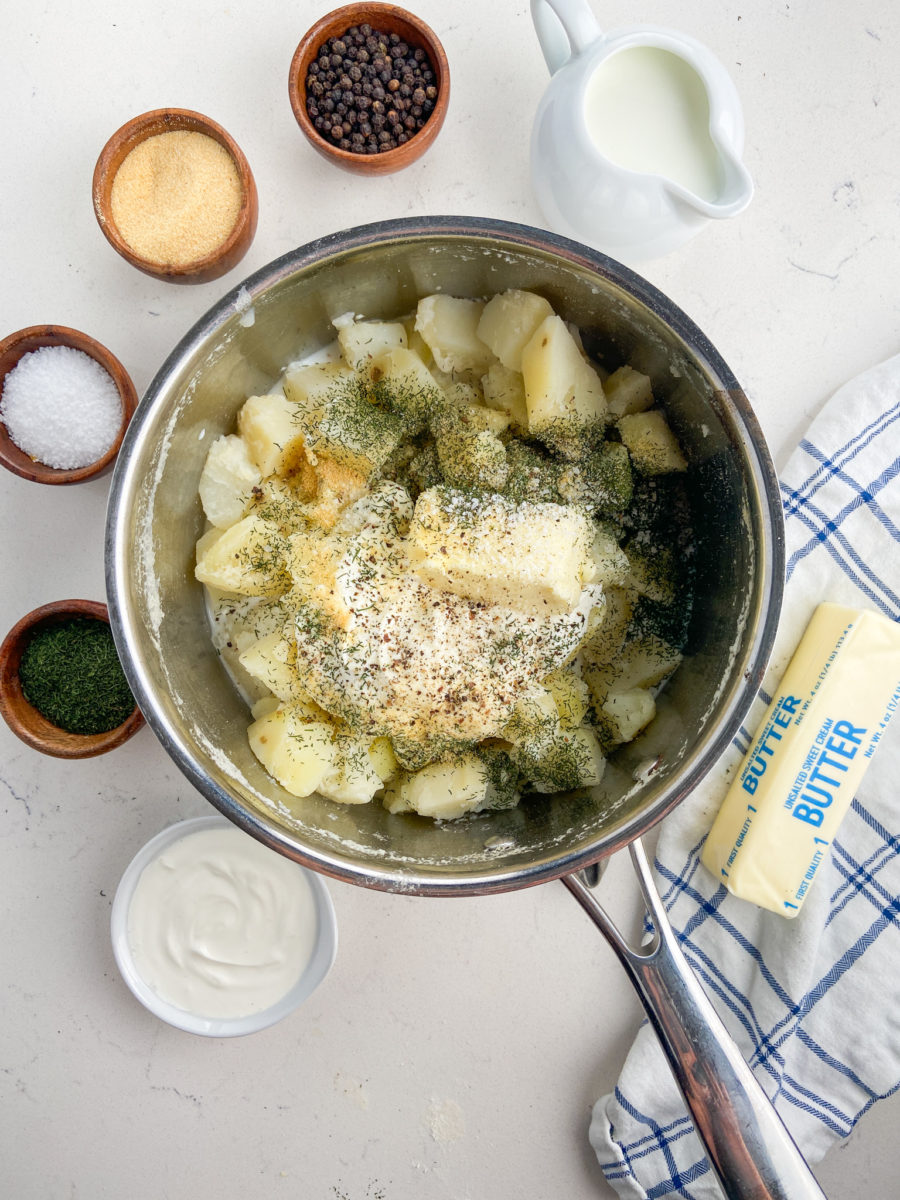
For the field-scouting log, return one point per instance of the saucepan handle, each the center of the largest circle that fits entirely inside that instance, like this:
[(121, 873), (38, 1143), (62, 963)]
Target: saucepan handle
[(749, 1148)]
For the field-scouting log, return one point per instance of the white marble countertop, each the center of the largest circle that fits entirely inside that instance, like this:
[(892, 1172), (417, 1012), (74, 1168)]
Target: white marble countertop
[(457, 1046)]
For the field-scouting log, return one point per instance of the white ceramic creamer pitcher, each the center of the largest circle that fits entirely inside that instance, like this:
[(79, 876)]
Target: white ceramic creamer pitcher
[(637, 140)]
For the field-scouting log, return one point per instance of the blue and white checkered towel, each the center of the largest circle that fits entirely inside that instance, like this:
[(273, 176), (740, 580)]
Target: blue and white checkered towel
[(811, 1002)]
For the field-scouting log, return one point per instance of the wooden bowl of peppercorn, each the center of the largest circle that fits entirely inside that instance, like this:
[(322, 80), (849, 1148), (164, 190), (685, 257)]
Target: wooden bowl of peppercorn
[(59, 664), (369, 86)]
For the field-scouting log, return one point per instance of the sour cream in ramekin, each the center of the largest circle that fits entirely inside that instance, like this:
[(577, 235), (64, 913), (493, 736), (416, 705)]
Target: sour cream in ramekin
[(216, 933)]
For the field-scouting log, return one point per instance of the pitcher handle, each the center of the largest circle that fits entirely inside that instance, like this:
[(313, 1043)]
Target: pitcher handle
[(749, 1148), (564, 28)]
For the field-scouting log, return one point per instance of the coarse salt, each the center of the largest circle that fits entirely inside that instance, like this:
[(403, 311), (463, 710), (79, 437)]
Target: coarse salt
[(61, 407)]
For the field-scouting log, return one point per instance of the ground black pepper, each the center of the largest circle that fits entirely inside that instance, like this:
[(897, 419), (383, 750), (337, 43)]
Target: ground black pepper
[(71, 674), (368, 91)]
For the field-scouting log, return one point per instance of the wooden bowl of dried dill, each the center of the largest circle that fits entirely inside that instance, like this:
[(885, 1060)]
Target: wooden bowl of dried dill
[(62, 688)]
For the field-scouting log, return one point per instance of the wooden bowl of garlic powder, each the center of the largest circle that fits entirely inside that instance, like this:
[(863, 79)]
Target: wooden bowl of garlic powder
[(175, 196)]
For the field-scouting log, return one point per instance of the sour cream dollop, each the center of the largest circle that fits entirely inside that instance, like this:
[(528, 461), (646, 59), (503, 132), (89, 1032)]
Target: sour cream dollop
[(220, 926)]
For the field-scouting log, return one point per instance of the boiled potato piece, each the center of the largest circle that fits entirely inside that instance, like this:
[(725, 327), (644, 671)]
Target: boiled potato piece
[(609, 561), (416, 342), (297, 752), (575, 760), (339, 420), (383, 759), (653, 447), (273, 661), (642, 662), (363, 341), (449, 324), (623, 715), (533, 727), (601, 480), (263, 706), (472, 459), (310, 388), (249, 558), (571, 697), (268, 424), (458, 392), (355, 433), (239, 621), (405, 386), (443, 790), (353, 779), (525, 555), (504, 390), (206, 541), (628, 391), (563, 393), (606, 638), (227, 481), (480, 419), (652, 572), (509, 322)]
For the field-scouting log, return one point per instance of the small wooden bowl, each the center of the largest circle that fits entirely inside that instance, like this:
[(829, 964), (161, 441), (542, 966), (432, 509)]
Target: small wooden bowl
[(166, 120), (16, 346), (23, 719), (386, 18)]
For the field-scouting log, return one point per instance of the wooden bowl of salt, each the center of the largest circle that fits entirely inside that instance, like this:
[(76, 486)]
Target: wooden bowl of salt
[(175, 196), (65, 403)]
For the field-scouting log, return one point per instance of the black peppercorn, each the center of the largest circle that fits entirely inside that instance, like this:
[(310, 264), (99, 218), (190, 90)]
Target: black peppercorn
[(368, 91)]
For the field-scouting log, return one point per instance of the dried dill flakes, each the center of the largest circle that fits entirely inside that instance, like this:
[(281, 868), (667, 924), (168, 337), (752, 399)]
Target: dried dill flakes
[(71, 674)]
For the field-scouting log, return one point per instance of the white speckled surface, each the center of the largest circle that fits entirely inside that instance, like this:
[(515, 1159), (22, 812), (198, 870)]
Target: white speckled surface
[(457, 1046)]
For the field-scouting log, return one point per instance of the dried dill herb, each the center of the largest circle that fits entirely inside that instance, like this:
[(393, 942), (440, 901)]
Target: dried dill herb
[(71, 674)]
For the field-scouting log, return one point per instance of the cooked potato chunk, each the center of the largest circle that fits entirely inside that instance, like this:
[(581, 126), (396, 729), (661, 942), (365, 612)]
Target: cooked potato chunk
[(508, 323), (571, 697), (362, 342), (249, 558), (653, 447), (642, 662), (610, 563), (227, 481), (297, 752), (405, 386), (601, 480), (383, 759), (504, 390), (623, 715), (563, 393), (337, 418), (652, 572), (353, 778), (606, 638), (268, 424), (310, 388), (628, 391), (442, 790), (273, 661), (574, 760), (449, 324)]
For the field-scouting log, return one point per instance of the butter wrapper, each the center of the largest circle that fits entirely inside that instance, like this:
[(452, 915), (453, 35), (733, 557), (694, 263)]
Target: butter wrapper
[(798, 778)]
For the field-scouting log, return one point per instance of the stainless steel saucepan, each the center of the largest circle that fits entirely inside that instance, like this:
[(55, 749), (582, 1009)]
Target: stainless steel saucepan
[(161, 629)]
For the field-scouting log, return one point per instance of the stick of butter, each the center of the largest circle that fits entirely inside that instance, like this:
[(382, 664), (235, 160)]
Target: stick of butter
[(805, 763)]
